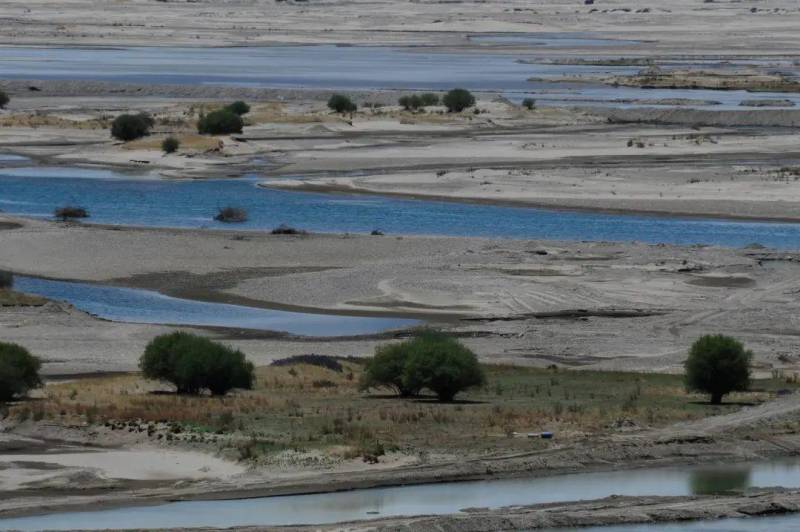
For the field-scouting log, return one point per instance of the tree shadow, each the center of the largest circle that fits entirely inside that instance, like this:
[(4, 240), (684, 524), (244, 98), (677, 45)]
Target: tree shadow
[(723, 403)]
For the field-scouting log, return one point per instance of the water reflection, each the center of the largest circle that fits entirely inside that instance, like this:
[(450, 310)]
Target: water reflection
[(425, 499), (716, 480)]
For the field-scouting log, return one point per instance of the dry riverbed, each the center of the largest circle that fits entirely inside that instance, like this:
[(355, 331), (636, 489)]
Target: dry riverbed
[(582, 305)]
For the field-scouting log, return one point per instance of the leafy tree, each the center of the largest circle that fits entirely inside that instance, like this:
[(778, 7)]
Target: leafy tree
[(430, 360), (410, 103), (220, 122), (4, 99), (429, 98), (529, 103), (128, 127), (239, 107), (194, 363), (443, 365), (19, 371), (340, 103), (386, 368), (457, 100), (718, 365), (170, 144)]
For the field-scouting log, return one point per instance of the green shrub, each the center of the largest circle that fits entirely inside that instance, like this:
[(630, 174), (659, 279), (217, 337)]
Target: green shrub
[(386, 368), (431, 360), (170, 144), (19, 371), (70, 212), (410, 103), (4, 99), (429, 98), (529, 103), (457, 100), (238, 107), (220, 122), (341, 104), (193, 363), (6, 280), (718, 365), (131, 127), (443, 365)]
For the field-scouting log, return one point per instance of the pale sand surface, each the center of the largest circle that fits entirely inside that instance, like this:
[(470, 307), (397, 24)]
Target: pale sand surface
[(683, 292), (682, 26), (18, 471)]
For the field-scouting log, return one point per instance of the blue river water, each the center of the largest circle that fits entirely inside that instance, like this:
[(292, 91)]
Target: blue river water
[(145, 306), (430, 499), (114, 199)]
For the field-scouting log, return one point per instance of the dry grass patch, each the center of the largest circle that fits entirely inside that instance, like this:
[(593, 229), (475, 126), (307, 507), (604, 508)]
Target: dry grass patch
[(313, 409), (10, 298)]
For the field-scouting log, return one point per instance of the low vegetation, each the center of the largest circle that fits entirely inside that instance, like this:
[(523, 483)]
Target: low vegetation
[(430, 361), (311, 414), (220, 122), (19, 371), (129, 127), (170, 145), (231, 215), (414, 102), (70, 212), (718, 365), (238, 107), (194, 364), (4, 99), (339, 103), (457, 100)]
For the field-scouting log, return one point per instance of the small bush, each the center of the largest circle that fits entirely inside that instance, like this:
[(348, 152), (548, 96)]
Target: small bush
[(429, 98), (220, 122), (70, 212), (340, 103), (170, 144), (284, 229), (529, 104), (238, 107), (231, 215), (131, 127), (718, 365), (6, 280), (19, 371), (415, 102), (457, 100), (193, 363), (4, 99)]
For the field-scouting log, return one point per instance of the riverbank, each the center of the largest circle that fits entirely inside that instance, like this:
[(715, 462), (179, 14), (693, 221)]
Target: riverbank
[(520, 301), (749, 435)]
